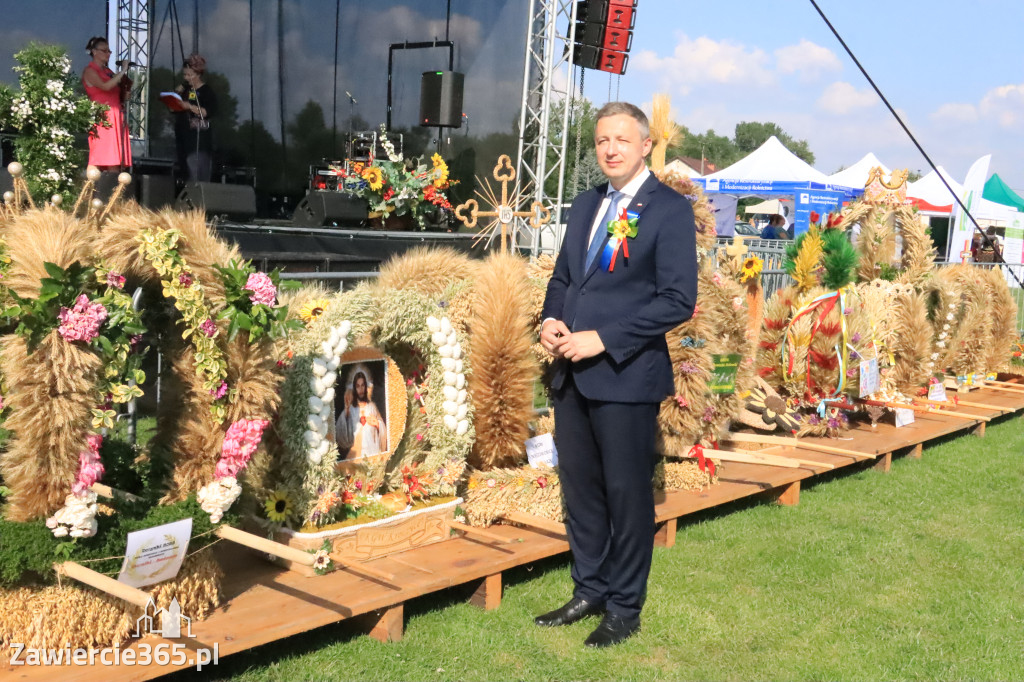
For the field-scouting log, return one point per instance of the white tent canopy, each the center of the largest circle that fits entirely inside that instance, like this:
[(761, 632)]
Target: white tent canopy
[(771, 162), (930, 189), (938, 200), (857, 174)]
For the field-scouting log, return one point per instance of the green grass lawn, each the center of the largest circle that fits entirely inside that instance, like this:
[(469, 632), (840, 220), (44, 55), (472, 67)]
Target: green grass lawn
[(914, 574)]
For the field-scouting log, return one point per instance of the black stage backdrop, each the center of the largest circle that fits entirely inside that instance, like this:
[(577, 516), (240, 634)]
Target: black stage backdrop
[(283, 109)]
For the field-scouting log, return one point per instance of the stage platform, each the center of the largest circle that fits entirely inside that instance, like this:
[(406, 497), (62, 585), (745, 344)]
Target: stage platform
[(263, 603), (332, 249)]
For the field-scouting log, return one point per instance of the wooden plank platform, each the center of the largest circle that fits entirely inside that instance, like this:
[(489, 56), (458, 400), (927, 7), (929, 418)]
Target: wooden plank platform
[(263, 603)]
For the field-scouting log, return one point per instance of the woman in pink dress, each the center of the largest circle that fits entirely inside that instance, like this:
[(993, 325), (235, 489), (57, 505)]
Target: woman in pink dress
[(108, 147)]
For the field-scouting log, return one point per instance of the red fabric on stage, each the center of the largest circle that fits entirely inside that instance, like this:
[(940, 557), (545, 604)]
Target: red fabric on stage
[(108, 146)]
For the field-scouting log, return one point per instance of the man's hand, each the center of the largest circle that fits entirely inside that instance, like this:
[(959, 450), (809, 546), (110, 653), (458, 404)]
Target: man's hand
[(580, 345), (551, 334)]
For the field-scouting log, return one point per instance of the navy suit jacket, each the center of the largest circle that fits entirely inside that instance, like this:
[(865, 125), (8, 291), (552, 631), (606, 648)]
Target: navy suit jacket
[(631, 308)]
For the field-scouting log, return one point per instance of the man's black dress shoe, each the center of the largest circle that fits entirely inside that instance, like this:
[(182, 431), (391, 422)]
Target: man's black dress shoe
[(612, 630), (576, 609)]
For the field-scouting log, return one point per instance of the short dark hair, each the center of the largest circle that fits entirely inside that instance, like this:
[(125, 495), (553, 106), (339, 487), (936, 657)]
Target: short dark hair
[(627, 109)]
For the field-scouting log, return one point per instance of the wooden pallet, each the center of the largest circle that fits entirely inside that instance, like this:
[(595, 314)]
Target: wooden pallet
[(263, 603)]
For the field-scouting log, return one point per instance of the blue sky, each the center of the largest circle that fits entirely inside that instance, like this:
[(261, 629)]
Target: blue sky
[(951, 68)]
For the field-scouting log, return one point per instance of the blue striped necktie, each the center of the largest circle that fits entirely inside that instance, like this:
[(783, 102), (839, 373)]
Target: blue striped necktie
[(598, 240)]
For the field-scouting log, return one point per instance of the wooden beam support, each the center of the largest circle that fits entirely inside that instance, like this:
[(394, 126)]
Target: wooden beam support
[(750, 458), (487, 595), (261, 544), (916, 451), (104, 583), (979, 430), (387, 625), (795, 443), (538, 522), (788, 495), (884, 463), (666, 534), (802, 462)]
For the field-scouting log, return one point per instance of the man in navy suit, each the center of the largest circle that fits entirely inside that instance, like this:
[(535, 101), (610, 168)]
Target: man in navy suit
[(605, 321)]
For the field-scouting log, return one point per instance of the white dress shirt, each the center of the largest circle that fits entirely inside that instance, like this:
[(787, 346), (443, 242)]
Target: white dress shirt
[(625, 198)]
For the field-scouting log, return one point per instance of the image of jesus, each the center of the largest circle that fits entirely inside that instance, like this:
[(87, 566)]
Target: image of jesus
[(360, 429)]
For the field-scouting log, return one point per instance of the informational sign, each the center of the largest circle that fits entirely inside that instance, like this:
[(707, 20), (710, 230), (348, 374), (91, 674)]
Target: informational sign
[(819, 201), (723, 376), (541, 451), (155, 554), (904, 417), (869, 379), (1013, 243), (937, 392)]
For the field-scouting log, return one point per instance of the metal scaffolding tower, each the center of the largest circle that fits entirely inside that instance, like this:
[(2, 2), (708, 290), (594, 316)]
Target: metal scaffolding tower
[(547, 81), (128, 29)]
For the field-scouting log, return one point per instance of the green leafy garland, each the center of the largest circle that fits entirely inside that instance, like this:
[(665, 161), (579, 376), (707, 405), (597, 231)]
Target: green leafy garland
[(159, 247), (259, 319), (118, 337)]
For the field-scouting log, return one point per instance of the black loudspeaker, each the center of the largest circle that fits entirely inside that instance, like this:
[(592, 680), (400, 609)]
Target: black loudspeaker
[(107, 183), (234, 202), (6, 182), (155, 191), (441, 99), (319, 208)]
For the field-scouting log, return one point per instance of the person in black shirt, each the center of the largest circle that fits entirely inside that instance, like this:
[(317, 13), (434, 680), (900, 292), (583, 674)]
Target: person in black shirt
[(192, 126)]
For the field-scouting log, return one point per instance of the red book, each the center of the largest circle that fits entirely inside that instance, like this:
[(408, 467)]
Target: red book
[(173, 101)]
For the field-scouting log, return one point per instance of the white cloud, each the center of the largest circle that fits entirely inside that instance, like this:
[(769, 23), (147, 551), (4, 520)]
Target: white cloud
[(954, 113), (1005, 105), (706, 61), (806, 59), (843, 98)]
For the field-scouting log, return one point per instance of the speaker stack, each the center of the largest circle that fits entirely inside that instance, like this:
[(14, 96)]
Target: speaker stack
[(232, 202), (441, 99), (604, 34)]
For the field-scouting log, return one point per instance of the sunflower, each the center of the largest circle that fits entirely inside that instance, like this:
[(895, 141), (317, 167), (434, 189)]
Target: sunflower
[(440, 171), (311, 310), (752, 266), (278, 507), (374, 177)]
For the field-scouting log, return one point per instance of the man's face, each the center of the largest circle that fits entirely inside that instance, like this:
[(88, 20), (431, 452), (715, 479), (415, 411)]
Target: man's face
[(621, 148), (361, 388)]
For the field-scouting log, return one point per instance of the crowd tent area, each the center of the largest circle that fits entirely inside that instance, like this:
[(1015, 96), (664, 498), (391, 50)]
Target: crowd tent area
[(772, 171)]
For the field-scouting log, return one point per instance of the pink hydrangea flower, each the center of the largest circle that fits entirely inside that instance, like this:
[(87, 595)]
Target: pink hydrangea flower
[(220, 391), (90, 468), (185, 279), (262, 288), (115, 279), (209, 327), (240, 442), (81, 322)]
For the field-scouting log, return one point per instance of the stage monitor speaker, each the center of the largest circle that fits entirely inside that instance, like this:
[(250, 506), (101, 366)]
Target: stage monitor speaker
[(441, 99), (233, 202), (320, 208), (155, 191), (107, 183)]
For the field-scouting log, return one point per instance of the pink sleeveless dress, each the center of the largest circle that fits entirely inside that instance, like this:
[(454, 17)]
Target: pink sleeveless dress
[(108, 146)]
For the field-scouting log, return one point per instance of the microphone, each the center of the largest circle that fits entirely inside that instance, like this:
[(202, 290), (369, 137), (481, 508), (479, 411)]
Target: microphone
[(122, 62), (351, 97)]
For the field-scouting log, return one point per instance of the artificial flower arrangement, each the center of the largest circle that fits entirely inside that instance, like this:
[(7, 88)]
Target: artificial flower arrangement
[(252, 302), (399, 186)]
